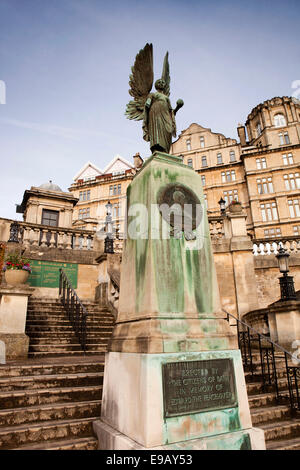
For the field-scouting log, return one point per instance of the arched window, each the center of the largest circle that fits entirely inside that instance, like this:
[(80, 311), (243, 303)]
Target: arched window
[(279, 120)]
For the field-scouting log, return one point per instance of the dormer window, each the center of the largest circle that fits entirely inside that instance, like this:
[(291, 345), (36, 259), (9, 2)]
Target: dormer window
[(279, 120)]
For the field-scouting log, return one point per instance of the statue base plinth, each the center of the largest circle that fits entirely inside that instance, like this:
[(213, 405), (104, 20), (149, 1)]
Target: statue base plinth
[(145, 408)]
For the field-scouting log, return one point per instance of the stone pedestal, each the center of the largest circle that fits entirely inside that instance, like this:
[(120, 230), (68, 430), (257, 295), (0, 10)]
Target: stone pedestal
[(284, 323), (13, 311), (173, 377)]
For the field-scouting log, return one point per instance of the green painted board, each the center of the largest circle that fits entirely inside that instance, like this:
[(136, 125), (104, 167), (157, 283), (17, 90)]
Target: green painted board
[(46, 273)]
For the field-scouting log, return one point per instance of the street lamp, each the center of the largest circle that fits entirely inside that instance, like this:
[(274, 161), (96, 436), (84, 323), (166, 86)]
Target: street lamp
[(287, 288), (109, 241), (222, 204)]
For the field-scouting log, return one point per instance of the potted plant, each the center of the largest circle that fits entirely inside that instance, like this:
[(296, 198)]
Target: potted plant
[(16, 269), (235, 206)]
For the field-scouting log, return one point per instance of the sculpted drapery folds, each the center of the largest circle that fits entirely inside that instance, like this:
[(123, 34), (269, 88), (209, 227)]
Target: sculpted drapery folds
[(153, 108)]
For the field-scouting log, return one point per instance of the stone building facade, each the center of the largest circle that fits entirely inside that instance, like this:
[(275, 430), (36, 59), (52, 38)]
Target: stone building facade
[(94, 188), (261, 170)]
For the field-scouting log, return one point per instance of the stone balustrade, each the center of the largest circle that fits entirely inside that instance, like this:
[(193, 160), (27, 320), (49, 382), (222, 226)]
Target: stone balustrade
[(270, 246), (31, 235), (216, 227)]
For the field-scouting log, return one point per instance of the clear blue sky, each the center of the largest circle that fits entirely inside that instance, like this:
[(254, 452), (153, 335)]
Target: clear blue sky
[(66, 65)]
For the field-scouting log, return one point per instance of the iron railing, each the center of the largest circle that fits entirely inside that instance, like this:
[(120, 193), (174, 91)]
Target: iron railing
[(76, 311), (278, 369)]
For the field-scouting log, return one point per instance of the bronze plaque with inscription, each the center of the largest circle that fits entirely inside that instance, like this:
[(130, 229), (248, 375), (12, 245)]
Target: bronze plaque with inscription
[(197, 386)]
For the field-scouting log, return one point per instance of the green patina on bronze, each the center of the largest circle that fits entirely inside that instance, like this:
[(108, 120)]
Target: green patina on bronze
[(141, 250), (166, 255)]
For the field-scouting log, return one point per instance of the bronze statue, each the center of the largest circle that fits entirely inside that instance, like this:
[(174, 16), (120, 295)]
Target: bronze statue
[(154, 108)]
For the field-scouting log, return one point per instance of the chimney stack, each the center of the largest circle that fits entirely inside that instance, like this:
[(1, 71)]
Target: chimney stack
[(242, 134)]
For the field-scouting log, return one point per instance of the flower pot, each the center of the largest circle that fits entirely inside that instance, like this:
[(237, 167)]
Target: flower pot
[(234, 208), (15, 277)]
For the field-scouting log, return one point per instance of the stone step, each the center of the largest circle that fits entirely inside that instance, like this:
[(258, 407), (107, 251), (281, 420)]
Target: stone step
[(289, 444), (62, 329), (270, 414), (39, 317), (14, 436), (281, 430), (23, 398), (64, 321), (257, 376), (50, 381), (254, 388), (262, 399), (93, 338), (47, 354), (33, 414), (76, 443), (47, 369), (54, 347)]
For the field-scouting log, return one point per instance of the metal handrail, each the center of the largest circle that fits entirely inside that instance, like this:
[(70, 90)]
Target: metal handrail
[(75, 309), (252, 342)]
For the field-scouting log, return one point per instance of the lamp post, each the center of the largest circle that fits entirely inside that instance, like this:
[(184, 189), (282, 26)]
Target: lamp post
[(109, 241), (287, 288), (222, 204)]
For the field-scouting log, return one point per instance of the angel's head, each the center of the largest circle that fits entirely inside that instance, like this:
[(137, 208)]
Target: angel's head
[(160, 84)]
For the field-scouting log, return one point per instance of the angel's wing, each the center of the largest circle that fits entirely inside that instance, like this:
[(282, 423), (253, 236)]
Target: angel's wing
[(166, 74), (140, 82)]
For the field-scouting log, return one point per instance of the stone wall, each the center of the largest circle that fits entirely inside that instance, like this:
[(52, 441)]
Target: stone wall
[(267, 274)]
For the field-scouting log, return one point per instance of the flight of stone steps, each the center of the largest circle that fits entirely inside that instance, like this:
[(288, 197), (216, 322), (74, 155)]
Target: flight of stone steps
[(282, 430), (51, 333), (50, 401), (50, 404)]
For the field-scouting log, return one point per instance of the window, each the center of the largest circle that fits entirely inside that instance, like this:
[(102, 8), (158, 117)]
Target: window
[(188, 145), (232, 156), (279, 120), (116, 211), (269, 211), (261, 163), (114, 189), (292, 181), (50, 218), (202, 143), (272, 232), (85, 195), (204, 161), (84, 213), (258, 129), (284, 138), (296, 229), (190, 162), (288, 159), (230, 195), (219, 159), (228, 176), (294, 207), (203, 180), (265, 185)]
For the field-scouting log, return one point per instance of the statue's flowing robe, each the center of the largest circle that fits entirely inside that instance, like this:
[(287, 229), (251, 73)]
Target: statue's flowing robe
[(159, 122)]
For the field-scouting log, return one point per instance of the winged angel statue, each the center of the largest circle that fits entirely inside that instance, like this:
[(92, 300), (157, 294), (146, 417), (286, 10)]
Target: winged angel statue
[(153, 108)]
